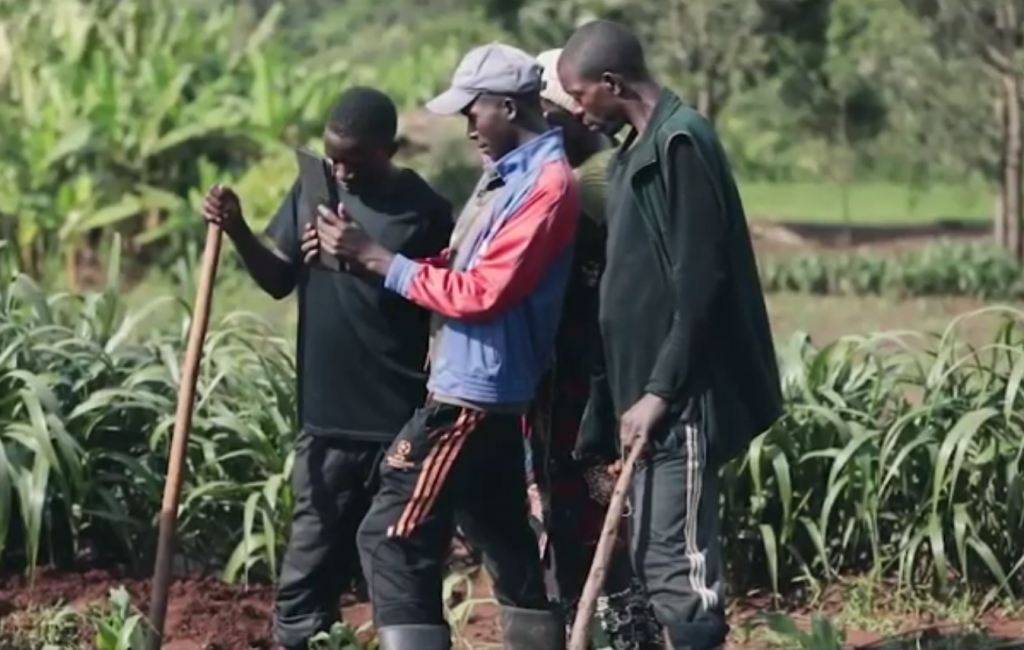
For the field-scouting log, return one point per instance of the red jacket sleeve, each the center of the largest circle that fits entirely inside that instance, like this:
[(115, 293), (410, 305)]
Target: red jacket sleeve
[(531, 239)]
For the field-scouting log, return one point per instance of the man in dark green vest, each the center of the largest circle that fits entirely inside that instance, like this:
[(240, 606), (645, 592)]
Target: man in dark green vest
[(689, 364)]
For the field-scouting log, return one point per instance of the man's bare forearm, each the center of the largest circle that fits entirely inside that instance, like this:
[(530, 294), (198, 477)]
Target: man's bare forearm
[(276, 276)]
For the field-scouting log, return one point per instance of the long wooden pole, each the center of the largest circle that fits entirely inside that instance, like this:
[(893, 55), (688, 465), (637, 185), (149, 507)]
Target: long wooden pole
[(580, 635), (179, 438)]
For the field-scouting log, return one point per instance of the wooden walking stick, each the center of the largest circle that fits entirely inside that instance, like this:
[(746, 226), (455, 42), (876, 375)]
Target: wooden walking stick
[(580, 635), (179, 439)]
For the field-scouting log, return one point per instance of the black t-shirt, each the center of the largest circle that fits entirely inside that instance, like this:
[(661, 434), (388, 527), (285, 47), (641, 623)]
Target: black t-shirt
[(362, 349)]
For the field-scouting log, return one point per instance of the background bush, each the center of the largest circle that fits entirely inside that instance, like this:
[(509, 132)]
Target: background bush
[(115, 115)]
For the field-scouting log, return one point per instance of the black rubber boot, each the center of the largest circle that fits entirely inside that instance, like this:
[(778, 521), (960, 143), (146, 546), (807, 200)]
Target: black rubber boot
[(532, 629), (415, 637)]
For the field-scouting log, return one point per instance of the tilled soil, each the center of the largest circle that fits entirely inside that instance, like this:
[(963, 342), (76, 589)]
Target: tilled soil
[(203, 613), (206, 614)]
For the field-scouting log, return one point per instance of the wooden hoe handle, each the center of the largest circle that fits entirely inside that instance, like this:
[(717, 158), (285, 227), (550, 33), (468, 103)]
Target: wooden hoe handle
[(602, 554), (179, 439)]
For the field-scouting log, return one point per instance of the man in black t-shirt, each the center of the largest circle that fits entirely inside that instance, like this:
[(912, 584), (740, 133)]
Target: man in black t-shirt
[(361, 349)]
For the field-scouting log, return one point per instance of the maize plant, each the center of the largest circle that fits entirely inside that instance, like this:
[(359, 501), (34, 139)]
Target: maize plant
[(899, 455), (88, 403)]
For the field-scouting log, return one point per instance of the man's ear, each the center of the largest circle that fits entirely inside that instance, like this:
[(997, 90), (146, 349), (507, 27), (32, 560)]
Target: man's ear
[(511, 109), (613, 83)]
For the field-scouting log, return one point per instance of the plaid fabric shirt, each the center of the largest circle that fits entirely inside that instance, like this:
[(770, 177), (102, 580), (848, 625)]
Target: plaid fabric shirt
[(562, 394)]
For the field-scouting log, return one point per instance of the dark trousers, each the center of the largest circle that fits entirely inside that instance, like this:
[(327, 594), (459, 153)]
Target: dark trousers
[(332, 483), (570, 549), (674, 538), (449, 462), (623, 609), (571, 520)]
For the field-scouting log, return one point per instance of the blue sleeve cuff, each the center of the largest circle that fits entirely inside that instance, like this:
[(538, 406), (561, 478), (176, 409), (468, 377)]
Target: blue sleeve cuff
[(400, 274)]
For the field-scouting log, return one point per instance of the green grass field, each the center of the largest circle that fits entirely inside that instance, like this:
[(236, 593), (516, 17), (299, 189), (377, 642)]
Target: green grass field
[(825, 318), (811, 201), (874, 203)]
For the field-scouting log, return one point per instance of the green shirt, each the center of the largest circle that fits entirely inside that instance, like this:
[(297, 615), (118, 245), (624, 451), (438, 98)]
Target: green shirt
[(593, 183)]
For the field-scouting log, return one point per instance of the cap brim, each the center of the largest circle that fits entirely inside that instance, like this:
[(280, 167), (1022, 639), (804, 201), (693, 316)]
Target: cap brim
[(451, 102)]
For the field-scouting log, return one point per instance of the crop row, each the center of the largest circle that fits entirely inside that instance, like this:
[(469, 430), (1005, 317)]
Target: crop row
[(973, 269)]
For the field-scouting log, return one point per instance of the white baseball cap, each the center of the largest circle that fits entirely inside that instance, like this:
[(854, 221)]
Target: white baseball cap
[(550, 87)]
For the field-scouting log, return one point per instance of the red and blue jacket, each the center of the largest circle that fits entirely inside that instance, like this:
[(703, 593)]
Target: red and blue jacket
[(503, 301)]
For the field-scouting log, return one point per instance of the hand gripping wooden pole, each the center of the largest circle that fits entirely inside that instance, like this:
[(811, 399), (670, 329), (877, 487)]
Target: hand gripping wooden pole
[(580, 635), (179, 439)]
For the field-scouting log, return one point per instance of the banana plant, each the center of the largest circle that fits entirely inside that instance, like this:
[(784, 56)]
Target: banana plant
[(45, 134), (81, 203), (287, 103), (261, 188), (113, 100), (156, 103)]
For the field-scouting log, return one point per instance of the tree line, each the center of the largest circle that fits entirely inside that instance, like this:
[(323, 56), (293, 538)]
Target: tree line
[(115, 112), (913, 91)]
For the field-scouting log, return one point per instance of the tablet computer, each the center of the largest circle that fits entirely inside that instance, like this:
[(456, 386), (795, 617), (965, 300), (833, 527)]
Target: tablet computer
[(318, 188)]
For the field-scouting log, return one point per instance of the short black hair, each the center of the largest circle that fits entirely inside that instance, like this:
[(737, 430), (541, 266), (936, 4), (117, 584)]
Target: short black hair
[(366, 114), (602, 46)]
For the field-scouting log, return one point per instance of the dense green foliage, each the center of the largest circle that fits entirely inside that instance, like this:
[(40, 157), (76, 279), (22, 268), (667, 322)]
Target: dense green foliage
[(898, 454), (118, 115), (88, 406), (115, 115)]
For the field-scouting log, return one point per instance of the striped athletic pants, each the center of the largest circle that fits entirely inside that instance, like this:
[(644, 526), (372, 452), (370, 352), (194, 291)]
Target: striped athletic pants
[(449, 464)]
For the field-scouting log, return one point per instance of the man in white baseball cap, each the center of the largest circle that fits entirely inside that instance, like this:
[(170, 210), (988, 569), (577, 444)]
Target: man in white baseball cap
[(578, 485)]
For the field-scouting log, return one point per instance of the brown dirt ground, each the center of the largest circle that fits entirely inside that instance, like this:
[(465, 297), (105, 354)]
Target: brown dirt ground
[(779, 237), (206, 614)]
